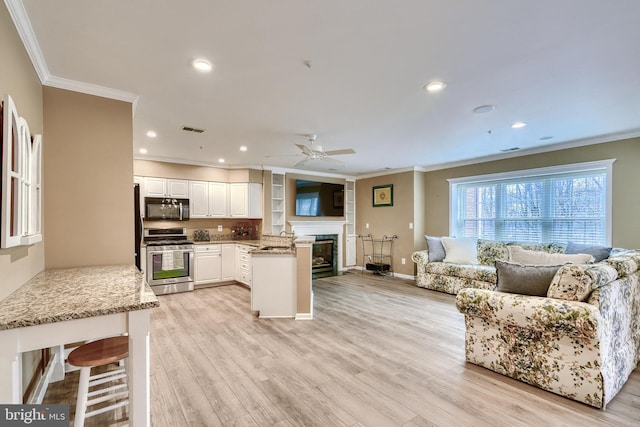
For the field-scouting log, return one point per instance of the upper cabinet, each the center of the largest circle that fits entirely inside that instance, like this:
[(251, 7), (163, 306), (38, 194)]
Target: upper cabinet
[(208, 199), (223, 200), (166, 187), (245, 200)]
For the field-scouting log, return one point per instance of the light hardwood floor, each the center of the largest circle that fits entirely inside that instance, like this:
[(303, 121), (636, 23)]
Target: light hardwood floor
[(379, 352)]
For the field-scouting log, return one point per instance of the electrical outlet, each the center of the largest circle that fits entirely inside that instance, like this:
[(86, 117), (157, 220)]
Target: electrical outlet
[(410, 226), (366, 226), (219, 228), (403, 261)]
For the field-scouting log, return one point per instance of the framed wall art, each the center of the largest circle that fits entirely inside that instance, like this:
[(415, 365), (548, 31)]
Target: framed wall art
[(383, 195)]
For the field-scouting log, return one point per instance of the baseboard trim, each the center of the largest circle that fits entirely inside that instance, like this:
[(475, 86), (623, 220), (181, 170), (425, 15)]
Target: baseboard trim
[(398, 275), (304, 316)]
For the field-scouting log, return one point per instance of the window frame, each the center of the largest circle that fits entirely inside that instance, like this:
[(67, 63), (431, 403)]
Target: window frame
[(603, 165)]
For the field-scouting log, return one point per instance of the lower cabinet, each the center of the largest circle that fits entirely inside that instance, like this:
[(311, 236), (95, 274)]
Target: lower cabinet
[(208, 264), (222, 262), (228, 268), (243, 264)]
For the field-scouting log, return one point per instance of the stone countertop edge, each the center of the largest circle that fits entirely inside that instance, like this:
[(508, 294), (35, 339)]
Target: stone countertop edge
[(63, 294), (274, 251), (215, 242)]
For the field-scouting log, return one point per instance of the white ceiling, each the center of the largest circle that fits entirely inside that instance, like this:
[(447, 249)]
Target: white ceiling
[(569, 68)]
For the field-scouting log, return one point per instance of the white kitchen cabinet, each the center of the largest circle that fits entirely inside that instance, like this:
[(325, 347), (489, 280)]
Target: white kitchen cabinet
[(166, 187), (228, 260), (245, 200), (274, 289), (218, 200), (199, 199), (215, 263), (208, 199), (243, 264), (224, 200), (208, 264)]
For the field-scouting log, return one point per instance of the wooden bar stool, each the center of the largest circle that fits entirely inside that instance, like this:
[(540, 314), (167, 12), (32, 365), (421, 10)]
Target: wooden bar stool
[(99, 353)]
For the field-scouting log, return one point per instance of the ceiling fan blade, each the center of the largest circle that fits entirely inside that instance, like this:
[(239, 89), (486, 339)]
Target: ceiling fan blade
[(305, 149), (337, 152), (282, 155), (300, 163), (334, 161)]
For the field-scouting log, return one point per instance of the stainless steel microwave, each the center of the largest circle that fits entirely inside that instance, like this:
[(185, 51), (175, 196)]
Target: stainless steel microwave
[(166, 208)]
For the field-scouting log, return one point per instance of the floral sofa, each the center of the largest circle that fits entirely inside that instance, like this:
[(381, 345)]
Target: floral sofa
[(450, 278), (581, 341)]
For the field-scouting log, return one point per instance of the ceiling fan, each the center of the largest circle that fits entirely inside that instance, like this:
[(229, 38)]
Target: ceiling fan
[(313, 151)]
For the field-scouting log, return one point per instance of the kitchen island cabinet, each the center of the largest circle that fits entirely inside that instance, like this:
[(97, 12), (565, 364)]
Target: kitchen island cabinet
[(78, 304), (274, 283)]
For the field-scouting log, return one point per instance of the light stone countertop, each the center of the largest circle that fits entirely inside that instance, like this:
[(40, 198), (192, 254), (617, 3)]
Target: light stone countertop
[(75, 293)]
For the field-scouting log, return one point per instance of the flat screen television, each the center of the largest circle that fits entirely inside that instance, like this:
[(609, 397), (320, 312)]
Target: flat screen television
[(315, 198)]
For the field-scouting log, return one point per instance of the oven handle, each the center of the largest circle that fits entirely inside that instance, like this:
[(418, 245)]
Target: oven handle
[(156, 251)]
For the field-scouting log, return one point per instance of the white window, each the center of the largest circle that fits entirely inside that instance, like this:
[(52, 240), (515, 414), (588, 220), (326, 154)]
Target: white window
[(21, 204), (570, 203)]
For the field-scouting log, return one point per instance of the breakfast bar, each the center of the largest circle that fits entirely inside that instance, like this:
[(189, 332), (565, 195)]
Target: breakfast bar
[(76, 304)]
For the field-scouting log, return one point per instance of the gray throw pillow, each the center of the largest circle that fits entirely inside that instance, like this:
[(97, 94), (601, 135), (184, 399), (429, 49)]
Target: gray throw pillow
[(436, 250), (599, 252), (524, 279)]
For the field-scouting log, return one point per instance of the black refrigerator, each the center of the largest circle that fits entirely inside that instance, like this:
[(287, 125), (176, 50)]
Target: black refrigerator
[(137, 217)]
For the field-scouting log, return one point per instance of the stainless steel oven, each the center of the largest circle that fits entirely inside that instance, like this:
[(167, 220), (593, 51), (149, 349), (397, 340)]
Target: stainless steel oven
[(170, 261)]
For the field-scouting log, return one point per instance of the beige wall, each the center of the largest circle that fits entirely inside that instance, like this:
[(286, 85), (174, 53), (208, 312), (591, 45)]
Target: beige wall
[(19, 79), (195, 173), (88, 175), (389, 220), (626, 175)]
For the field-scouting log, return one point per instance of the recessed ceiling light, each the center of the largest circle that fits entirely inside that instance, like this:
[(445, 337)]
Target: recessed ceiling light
[(151, 134), (143, 151), (202, 65), (243, 148), (220, 160), (435, 86), (545, 138), (518, 125), (484, 109)]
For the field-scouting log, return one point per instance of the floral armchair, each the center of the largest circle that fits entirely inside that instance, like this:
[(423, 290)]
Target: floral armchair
[(582, 341)]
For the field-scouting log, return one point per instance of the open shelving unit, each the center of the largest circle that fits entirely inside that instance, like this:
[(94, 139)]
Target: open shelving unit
[(277, 203)]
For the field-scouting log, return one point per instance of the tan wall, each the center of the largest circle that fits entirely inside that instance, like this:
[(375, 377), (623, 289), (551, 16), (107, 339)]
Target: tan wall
[(388, 220), (626, 175), (195, 173), (88, 173), (19, 79)]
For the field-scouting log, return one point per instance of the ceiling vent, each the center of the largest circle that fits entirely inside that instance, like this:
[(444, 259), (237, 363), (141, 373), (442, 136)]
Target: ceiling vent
[(506, 150), (191, 129)]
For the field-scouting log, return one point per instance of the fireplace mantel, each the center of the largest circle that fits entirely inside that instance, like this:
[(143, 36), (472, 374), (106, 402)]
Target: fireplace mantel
[(312, 228)]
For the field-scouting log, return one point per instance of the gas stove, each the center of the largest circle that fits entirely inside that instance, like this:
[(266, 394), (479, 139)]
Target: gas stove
[(166, 236)]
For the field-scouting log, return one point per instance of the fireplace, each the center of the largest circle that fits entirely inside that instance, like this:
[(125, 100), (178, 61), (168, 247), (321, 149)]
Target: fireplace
[(324, 230), (324, 256)]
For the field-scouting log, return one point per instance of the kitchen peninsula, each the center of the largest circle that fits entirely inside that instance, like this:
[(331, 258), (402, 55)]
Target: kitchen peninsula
[(76, 304)]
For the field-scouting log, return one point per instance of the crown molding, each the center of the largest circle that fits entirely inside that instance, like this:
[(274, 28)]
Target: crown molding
[(23, 25), (91, 89), (25, 31)]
